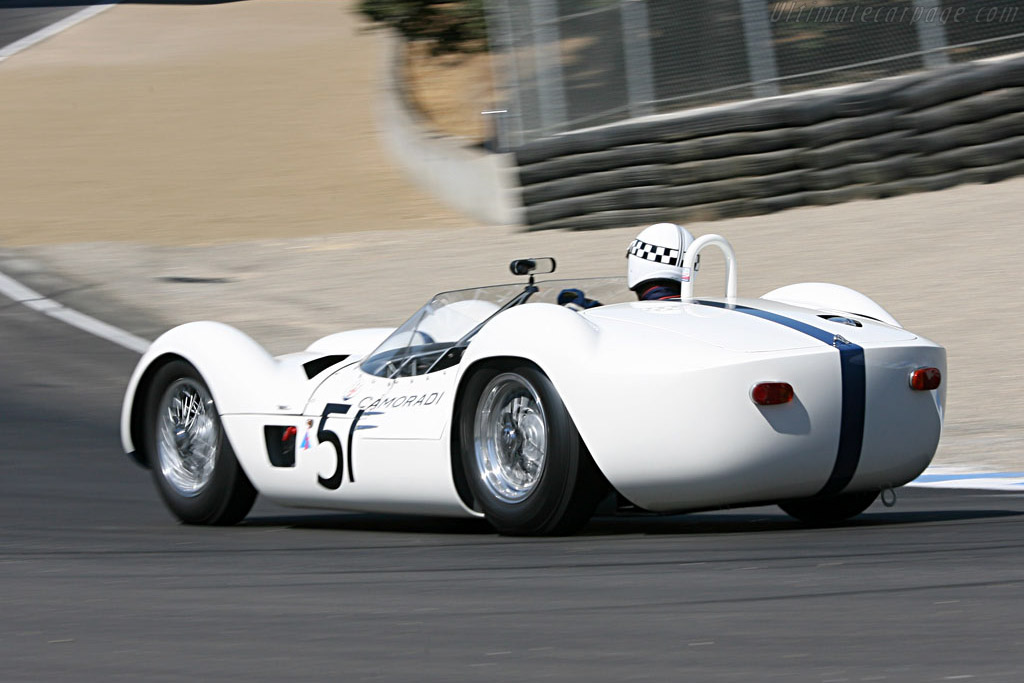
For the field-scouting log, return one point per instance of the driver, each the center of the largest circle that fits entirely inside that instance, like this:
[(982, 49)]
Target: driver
[(654, 261), (654, 266)]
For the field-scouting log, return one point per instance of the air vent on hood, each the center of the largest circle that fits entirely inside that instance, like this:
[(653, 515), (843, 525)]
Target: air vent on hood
[(842, 320), (315, 367)]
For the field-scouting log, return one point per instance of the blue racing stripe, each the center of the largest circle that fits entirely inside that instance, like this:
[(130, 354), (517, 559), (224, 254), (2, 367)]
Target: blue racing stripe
[(851, 428), (854, 392), (809, 330)]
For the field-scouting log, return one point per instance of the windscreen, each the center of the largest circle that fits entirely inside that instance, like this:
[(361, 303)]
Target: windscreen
[(449, 317)]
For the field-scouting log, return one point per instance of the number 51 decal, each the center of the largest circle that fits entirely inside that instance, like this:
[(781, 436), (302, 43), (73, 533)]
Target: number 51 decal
[(325, 435)]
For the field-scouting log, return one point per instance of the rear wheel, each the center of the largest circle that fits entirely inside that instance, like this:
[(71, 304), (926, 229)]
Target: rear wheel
[(524, 462), (831, 510), (193, 466)]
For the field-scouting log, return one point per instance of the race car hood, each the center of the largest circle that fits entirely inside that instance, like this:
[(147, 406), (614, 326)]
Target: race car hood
[(748, 325)]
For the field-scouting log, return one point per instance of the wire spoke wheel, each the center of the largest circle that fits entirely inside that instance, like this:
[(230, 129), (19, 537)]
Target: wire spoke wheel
[(188, 436), (510, 438), (193, 464), (524, 464)]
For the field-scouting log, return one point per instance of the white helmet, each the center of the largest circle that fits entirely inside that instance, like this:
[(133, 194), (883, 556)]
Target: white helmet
[(657, 254)]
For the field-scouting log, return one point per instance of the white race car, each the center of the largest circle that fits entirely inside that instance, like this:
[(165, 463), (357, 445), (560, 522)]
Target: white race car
[(499, 402)]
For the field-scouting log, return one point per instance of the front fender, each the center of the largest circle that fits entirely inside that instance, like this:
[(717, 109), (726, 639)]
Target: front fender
[(241, 375)]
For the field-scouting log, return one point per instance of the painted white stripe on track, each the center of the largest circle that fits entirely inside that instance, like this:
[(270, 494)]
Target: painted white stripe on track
[(29, 297), (53, 29), (13, 289)]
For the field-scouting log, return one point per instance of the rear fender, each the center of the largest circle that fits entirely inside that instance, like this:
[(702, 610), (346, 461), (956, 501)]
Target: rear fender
[(827, 296), (355, 343), (554, 338)]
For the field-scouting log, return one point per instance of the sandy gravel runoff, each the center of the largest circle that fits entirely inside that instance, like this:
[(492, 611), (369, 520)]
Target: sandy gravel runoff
[(179, 124), (220, 162)]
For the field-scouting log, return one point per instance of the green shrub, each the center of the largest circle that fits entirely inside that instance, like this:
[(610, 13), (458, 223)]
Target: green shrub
[(454, 25)]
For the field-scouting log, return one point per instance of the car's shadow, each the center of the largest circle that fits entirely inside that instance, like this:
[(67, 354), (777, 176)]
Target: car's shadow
[(752, 522), (623, 524), (384, 523)]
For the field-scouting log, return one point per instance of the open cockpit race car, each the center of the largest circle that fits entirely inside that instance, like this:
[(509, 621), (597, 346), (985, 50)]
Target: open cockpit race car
[(504, 403)]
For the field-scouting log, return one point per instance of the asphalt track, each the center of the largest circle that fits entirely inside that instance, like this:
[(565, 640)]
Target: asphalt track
[(19, 18), (99, 583)]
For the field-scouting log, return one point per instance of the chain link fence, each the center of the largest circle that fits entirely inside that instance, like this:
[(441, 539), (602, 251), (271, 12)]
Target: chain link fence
[(566, 65)]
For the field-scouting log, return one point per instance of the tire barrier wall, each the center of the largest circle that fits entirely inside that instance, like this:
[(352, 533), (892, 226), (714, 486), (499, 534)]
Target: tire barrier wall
[(921, 132)]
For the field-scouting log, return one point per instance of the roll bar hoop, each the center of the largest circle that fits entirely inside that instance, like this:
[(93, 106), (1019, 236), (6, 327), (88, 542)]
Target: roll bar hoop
[(689, 274)]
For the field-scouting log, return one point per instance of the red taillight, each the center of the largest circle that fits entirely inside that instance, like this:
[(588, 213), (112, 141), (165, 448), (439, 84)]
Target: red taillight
[(925, 379), (289, 433), (771, 393)]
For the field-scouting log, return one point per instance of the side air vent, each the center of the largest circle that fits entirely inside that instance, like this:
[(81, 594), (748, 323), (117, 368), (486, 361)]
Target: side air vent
[(280, 445), (315, 367)]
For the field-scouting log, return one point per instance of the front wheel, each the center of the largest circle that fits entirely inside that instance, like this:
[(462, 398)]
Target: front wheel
[(525, 464), (193, 466), (831, 510)]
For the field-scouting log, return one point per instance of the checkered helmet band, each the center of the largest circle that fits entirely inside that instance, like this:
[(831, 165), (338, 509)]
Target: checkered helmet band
[(652, 252), (657, 254)]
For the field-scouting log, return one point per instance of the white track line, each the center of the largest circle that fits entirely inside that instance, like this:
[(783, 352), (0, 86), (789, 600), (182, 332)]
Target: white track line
[(23, 295), (29, 297), (53, 29)]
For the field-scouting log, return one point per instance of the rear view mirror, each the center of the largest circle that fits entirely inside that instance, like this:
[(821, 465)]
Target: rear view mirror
[(532, 266)]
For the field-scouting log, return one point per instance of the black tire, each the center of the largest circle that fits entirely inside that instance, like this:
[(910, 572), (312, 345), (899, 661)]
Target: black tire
[(767, 163), (956, 83), (610, 219), (828, 178), (566, 486), (221, 494), (592, 183), (775, 185), (738, 144), (882, 171), (615, 200), (831, 510), (595, 162)]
